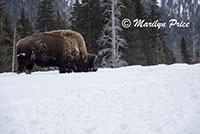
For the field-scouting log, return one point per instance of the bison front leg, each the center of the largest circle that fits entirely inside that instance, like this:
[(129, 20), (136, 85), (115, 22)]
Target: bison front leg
[(62, 69), (29, 68), (20, 68)]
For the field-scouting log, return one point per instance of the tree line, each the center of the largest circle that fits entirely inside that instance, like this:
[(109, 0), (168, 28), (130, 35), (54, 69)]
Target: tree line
[(100, 24)]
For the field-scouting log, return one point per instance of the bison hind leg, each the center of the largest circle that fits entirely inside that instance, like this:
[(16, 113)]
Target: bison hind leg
[(29, 68)]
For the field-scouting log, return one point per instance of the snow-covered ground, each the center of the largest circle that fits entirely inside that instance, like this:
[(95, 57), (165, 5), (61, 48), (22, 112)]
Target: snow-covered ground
[(131, 100)]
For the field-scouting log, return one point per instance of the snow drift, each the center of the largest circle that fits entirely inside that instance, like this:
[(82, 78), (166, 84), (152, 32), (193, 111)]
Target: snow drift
[(131, 100)]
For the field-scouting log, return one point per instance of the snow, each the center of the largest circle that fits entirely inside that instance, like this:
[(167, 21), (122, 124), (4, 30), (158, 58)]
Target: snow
[(163, 99)]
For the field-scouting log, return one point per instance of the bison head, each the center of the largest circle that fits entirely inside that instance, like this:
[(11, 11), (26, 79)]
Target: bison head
[(92, 62), (88, 64)]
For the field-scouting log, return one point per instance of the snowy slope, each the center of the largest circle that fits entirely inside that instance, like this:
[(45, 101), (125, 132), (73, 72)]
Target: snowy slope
[(132, 100)]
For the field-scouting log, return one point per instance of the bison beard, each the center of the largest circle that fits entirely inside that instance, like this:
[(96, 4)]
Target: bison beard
[(64, 49)]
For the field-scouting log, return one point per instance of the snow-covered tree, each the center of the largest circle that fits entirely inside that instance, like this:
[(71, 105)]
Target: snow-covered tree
[(111, 39)]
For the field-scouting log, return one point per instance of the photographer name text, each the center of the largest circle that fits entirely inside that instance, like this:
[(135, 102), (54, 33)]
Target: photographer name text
[(142, 23)]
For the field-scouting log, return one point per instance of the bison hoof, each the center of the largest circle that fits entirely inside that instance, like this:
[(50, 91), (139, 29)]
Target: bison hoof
[(93, 69), (62, 71), (28, 72), (19, 72), (69, 71)]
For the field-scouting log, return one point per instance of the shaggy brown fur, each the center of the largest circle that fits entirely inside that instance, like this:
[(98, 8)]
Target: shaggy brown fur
[(74, 36), (62, 48)]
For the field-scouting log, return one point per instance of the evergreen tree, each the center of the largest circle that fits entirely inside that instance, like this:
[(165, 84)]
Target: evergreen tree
[(143, 33), (87, 18), (1, 17), (6, 34), (153, 46), (169, 56), (158, 53), (184, 51), (195, 40), (24, 27), (139, 9), (6, 31), (5, 58), (76, 17), (61, 20), (45, 16), (146, 46), (135, 37)]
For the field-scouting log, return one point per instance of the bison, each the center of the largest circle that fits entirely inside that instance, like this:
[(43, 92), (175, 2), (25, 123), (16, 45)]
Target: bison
[(64, 49)]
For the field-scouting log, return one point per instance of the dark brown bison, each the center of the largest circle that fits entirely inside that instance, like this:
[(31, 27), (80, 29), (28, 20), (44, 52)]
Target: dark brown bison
[(64, 49)]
